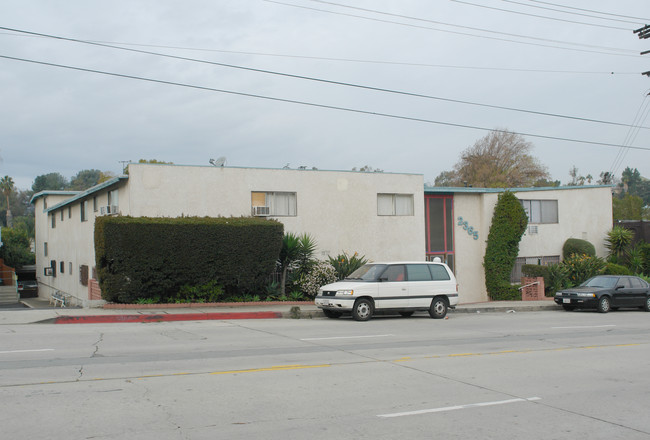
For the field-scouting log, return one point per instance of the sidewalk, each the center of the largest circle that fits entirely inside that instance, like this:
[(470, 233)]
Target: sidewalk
[(40, 311)]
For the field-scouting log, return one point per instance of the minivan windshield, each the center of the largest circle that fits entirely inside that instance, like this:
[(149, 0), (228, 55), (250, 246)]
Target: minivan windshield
[(367, 272)]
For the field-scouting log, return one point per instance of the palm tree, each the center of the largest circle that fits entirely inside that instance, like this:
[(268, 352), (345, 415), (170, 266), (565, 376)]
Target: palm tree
[(7, 187)]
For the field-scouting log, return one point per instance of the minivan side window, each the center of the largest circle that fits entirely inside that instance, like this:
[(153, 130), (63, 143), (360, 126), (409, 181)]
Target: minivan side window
[(394, 273), (438, 272), (418, 272)]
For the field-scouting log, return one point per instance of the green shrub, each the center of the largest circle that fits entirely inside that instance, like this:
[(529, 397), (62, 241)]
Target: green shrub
[(582, 267), (145, 257), (345, 264), (617, 241), (509, 222), (211, 291), (616, 269), (558, 278), (578, 246)]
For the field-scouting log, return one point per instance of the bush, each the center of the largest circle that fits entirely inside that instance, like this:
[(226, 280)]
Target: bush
[(147, 257), (345, 265), (320, 274), (578, 246), (558, 278), (509, 222), (616, 269), (582, 267)]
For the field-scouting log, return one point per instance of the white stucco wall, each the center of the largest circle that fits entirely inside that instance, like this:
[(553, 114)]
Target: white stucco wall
[(583, 212), (338, 208)]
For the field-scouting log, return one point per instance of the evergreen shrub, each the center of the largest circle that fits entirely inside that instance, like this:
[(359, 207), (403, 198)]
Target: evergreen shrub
[(578, 246), (509, 222), (143, 257)]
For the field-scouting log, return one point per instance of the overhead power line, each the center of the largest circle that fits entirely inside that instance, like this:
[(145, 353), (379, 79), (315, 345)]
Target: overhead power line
[(591, 10), (316, 105), (510, 11), (326, 81), (568, 12), (346, 60), (630, 54), (507, 34)]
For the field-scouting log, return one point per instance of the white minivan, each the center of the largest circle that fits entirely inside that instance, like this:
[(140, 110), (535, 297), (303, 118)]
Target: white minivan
[(403, 287)]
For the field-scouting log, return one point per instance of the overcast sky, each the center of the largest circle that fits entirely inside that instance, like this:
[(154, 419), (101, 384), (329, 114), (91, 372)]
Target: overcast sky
[(491, 52)]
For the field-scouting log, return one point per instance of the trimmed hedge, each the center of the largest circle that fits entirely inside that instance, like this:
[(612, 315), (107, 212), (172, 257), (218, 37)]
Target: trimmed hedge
[(143, 257), (509, 222), (578, 246)]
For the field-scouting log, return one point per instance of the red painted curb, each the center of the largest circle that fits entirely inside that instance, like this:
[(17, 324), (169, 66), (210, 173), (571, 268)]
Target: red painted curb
[(103, 319)]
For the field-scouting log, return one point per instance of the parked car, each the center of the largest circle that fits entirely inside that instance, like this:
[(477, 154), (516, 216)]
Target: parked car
[(27, 288), (605, 293), (403, 287)]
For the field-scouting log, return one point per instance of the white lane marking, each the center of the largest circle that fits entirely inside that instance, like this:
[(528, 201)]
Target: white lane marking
[(26, 351), (454, 408), (586, 326), (345, 337)]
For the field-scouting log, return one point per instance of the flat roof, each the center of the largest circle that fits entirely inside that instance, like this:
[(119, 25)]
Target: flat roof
[(472, 190)]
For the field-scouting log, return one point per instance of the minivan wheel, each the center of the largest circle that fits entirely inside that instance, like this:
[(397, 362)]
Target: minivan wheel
[(362, 310), (604, 304), (438, 309)]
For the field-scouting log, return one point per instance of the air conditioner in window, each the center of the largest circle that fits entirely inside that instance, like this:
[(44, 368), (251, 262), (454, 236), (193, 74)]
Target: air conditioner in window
[(47, 271), (108, 209), (261, 211)]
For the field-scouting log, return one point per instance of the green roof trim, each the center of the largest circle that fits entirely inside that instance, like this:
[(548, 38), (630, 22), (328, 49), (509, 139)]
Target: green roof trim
[(471, 190), (78, 195)]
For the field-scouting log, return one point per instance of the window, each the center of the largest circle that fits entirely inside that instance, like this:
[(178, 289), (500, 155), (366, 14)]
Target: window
[(45, 249), (83, 275), (439, 222), (83, 207), (112, 198), (394, 204), (53, 266), (95, 207), (62, 267), (540, 211), (281, 204), (418, 272), (44, 202), (393, 273), (69, 211), (438, 272), (70, 268), (53, 220), (61, 212)]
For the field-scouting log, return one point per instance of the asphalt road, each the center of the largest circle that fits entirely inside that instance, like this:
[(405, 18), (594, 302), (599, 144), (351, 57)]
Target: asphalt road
[(536, 375)]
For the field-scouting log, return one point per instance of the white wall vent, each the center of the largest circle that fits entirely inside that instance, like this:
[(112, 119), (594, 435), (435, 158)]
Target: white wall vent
[(533, 229)]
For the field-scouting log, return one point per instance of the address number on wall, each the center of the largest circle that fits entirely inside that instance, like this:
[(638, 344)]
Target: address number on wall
[(470, 229)]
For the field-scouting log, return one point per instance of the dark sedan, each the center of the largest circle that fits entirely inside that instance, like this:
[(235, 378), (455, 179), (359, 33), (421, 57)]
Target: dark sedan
[(605, 293)]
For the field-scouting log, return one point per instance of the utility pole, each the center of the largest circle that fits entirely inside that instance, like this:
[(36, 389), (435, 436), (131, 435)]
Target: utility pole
[(644, 33)]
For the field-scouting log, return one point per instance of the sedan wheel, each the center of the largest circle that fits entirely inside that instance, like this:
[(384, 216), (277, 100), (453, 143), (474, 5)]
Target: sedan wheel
[(362, 310), (604, 305), (438, 309), (647, 304)]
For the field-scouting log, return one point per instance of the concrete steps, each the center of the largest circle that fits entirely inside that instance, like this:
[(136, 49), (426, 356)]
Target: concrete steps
[(9, 295)]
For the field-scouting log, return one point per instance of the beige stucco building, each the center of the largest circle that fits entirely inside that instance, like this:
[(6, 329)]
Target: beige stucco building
[(458, 222), (379, 215), (383, 216)]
